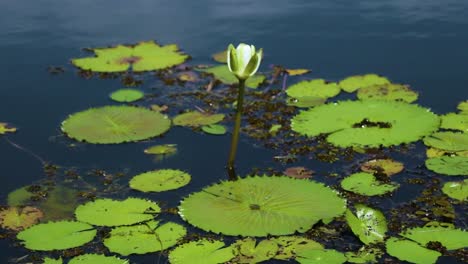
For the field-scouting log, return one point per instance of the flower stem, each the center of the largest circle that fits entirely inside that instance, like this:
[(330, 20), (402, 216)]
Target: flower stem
[(235, 133)]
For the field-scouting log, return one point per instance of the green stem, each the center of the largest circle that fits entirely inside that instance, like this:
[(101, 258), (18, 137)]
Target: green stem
[(235, 133)]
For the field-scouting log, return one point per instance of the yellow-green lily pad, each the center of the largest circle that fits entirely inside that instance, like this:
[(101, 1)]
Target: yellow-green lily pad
[(366, 184), (220, 56), (463, 107), (162, 149), (160, 180), (223, 74), (388, 167), (352, 83), (126, 95), (252, 252), (410, 251), (368, 224), (457, 190), (313, 88), (18, 218), (5, 128), (449, 165), (455, 122), (214, 129), (195, 119), (202, 252), (390, 91), (449, 237), (448, 141)]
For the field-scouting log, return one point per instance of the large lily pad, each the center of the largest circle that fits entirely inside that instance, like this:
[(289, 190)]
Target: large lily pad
[(368, 224), (223, 74), (314, 88), (388, 91), (5, 128), (449, 141), (449, 237), (352, 83), (195, 119), (160, 180), (17, 218), (202, 252), (57, 235), (144, 238), (366, 184), (145, 56), (115, 124), (410, 251), (108, 212), (96, 258), (455, 122), (448, 165), (261, 206), (456, 190), (367, 123), (126, 95)]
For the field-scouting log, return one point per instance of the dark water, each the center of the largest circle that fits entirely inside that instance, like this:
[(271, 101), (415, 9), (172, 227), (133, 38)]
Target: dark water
[(422, 43)]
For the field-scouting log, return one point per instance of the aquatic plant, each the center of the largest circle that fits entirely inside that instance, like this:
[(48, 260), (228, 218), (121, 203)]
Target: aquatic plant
[(456, 190), (319, 256), (290, 245), (18, 218), (249, 251), (387, 167), (455, 121), (202, 252), (448, 165), (352, 83), (6, 128), (126, 95), (214, 129), (368, 224), (410, 251), (160, 180), (389, 91), (451, 238), (366, 184), (448, 141), (224, 75), (164, 149), (313, 88), (195, 119), (97, 258)]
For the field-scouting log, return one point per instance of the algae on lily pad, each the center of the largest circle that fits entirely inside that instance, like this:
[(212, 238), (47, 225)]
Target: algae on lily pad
[(115, 124), (390, 91), (195, 119), (214, 129), (370, 123), (144, 238), (160, 180), (202, 252), (449, 165), (57, 235), (388, 167), (316, 88), (352, 83), (126, 95), (449, 141), (222, 73), (97, 259), (252, 252), (366, 184), (145, 56), (60, 203), (108, 212), (410, 251), (318, 256), (5, 128), (455, 122), (261, 206), (449, 237), (18, 218), (456, 190), (290, 245), (368, 224)]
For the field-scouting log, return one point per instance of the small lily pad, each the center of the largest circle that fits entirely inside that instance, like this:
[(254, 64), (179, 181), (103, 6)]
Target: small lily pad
[(364, 255), (390, 91), (160, 180), (368, 224), (449, 237), (456, 190), (251, 252), (352, 83), (126, 95), (96, 258), (295, 72), (449, 165), (410, 251), (386, 166), (366, 184), (298, 172), (434, 152), (5, 128), (220, 57), (305, 101), (202, 252), (314, 88), (223, 74), (455, 122), (195, 119), (290, 245), (18, 218), (162, 149), (448, 141), (214, 129), (318, 256), (463, 107)]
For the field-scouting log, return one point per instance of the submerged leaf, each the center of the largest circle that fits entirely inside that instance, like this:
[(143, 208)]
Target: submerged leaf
[(364, 255), (126, 95), (450, 238), (160, 180), (195, 119), (352, 83), (17, 218), (454, 166), (202, 252), (368, 224), (456, 190), (366, 184), (410, 251)]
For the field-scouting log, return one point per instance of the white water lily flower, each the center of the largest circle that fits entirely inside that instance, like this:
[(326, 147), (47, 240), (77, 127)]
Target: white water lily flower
[(243, 61)]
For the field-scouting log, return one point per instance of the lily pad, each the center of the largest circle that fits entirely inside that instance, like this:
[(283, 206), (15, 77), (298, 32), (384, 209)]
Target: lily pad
[(352, 83), (145, 56), (5, 128), (449, 141), (202, 252), (52, 261), (214, 129), (448, 165), (295, 72), (366, 184), (290, 245), (195, 119), (317, 256), (386, 166), (261, 206), (314, 88), (456, 190), (455, 122), (368, 224), (434, 152), (17, 218), (126, 95), (390, 91), (220, 57), (450, 238), (410, 251), (108, 212), (57, 235), (96, 258), (223, 74), (160, 180), (144, 238), (364, 255), (371, 123), (305, 101), (115, 124), (251, 252), (162, 149), (463, 107)]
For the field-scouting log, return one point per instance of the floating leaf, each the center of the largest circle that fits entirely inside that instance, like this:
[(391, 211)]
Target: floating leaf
[(195, 119), (202, 252), (274, 129), (57, 235), (261, 206), (450, 238), (251, 252), (366, 184), (17, 218), (448, 141), (410, 251), (448, 165), (317, 256), (162, 149), (370, 123), (160, 180), (298, 172), (364, 255), (214, 129), (115, 124), (289, 245), (455, 121), (456, 190), (352, 83), (314, 88), (433, 153), (187, 76), (144, 238), (295, 72), (145, 56), (5, 128), (386, 166), (220, 56), (368, 224), (52, 261), (223, 74), (306, 101), (126, 95), (108, 212), (463, 107), (390, 91), (95, 259)]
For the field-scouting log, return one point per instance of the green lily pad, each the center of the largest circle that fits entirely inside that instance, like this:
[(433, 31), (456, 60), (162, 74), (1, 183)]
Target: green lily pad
[(108, 212), (366, 184), (223, 74), (434, 153), (386, 166), (290, 245), (195, 119), (220, 57), (126, 95), (317, 256), (162, 149), (160, 180), (214, 129), (364, 255), (202, 252), (57, 235), (455, 122), (305, 101), (352, 83), (456, 190), (17, 218), (449, 237), (371, 123), (251, 252), (463, 107), (410, 251), (115, 124), (368, 224), (390, 91), (95, 259), (449, 165), (261, 206), (449, 141), (314, 88), (144, 238), (296, 72), (145, 56), (52, 261), (5, 128)]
